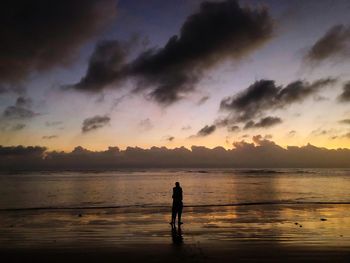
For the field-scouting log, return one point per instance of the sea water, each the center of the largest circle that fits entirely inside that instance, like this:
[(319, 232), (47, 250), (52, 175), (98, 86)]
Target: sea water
[(148, 188)]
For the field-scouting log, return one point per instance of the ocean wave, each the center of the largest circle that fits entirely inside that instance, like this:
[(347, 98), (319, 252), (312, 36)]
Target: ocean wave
[(198, 171), (276, 203), (259, 171), (254, 171)]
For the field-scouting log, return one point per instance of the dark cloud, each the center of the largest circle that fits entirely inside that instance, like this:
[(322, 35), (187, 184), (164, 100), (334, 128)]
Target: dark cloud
[(292, 133), (117, 101), (205, 131), (145, 124), (23, 102), (22, 151), (21, 110), (186, 128), (3, 89), (49, 137), (170, 138), (249, 125), (203, 100), (94, 123), (335, 43), (18, 127), (53, 123), (259, 140), (218, 31), (251, 101), (222, 122), (12, 127), (340, 136), (321, 132), (13, 87), (100, 98), (263, 123), (14, 112), (345, 121), (38, 35), (106, 66), (261, 153), (233, 128), (345, 95), (264, 95)]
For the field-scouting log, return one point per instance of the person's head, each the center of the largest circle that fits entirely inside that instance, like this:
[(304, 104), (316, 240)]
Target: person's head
[(177, 184)]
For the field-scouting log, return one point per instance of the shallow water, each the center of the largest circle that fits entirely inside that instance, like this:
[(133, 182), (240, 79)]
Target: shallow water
[(288, 225)]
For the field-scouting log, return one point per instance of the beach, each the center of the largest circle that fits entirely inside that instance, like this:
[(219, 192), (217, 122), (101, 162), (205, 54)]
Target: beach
[(243, 233)]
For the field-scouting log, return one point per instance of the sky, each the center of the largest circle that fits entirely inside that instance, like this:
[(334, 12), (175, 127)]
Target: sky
[(174, 73)]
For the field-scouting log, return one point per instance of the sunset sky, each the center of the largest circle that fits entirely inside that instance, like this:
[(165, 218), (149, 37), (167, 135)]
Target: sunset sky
[(174, 73)]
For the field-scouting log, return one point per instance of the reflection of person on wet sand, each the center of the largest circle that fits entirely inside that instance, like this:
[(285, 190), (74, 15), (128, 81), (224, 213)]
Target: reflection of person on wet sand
[(176, 235), (177, 204)]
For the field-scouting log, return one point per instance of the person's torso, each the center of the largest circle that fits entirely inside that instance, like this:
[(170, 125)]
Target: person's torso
[(177, 194)]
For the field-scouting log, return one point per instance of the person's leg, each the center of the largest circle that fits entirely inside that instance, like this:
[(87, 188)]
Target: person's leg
[(179, 215), (173, 215)]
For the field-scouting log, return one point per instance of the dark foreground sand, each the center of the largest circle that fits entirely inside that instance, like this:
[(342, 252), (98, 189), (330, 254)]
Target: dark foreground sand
[(255, 233), (186, 253)]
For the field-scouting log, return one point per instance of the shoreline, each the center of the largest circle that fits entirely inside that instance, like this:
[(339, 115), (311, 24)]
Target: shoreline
[(168, 207)]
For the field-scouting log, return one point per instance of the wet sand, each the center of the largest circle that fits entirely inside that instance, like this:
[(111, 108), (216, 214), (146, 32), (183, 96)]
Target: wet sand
[(254, 233)]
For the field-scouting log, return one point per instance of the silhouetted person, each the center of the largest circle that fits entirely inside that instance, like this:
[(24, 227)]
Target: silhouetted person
[(177, 204)]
